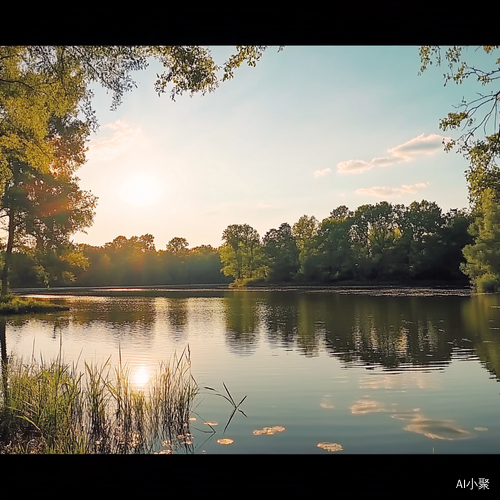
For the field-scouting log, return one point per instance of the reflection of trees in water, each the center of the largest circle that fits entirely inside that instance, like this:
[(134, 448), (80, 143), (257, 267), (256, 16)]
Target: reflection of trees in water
[(289, 319), (242, 314), (281, 314), (177, 314), (310, 327), (116, 311), (481, 315), (392, 331), (122, 316), (372, 330)]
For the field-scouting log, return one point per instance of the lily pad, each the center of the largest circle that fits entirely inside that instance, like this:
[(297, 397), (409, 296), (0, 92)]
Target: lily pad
[(225, 441), (269, 430), (330, 446)]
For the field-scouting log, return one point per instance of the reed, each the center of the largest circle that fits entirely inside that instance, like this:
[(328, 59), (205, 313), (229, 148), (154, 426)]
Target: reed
[(11, 304), (53, 408)]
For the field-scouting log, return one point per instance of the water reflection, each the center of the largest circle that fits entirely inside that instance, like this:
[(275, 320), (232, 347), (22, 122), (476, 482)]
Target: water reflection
[(306, 360), (481, 316), (433, 428), (242, 319), (177, 314), (397, 333), (364, 406)]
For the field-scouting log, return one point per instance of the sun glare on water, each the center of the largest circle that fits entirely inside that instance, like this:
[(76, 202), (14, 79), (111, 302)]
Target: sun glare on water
[(141, 190), (141, 376)]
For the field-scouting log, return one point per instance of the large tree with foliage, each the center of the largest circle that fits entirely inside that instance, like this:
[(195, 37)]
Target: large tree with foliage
[(40, 85), (479, 140), (42, 208), (333, 243), (282, 254), (241, 252), (37, 82), (483, 256)]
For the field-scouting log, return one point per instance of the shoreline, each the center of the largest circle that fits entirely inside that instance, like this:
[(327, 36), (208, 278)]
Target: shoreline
[(362, 288)]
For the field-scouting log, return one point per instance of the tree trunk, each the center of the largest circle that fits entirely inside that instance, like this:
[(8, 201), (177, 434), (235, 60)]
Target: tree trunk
[(8, 255)]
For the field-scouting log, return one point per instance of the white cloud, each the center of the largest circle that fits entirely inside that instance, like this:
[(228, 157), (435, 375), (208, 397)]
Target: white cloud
[(386, 161), (385, 191), (123, 138), (353, 166), (321, 173), (409, 150), (419, 145)]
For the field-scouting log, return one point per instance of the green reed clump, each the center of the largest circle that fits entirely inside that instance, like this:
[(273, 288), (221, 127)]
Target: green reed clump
[(10, 304), (51, 408)]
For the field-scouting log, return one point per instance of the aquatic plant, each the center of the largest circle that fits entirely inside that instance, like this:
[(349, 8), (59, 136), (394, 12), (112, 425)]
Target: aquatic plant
[(236, 407), (10, 304), (53, 408)]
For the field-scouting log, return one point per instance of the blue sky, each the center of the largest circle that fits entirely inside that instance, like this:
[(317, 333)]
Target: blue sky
[(306, 130)]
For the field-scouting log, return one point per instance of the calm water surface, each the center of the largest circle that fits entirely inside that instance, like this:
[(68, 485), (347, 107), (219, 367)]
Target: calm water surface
[(376, 371)]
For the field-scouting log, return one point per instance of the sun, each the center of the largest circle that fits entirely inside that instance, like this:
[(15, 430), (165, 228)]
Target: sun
[(141, 190)]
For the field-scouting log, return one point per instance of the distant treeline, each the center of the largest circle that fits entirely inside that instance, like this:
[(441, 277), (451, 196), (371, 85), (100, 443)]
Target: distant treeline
[(375, 243), (381, 242), (129, 262)]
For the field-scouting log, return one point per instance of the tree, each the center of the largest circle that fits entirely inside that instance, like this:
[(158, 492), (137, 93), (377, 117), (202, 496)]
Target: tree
[(44, 207), (304, 231), (334, 245), (476, 116), (483, 257), (177, 246), (37, 82), (419, 226), (282, 253), (44, 87), (42, 211), (241, 252)]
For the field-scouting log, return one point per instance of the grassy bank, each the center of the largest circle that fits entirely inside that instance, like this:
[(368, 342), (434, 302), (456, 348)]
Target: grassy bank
[(54, 408), (21, 305)]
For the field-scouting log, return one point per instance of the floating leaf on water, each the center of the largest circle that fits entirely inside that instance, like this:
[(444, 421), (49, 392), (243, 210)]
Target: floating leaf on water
[(211, 423), (225, 441), (480, 429), (192, 419), (330, 446), (164, 452), (269, 430)]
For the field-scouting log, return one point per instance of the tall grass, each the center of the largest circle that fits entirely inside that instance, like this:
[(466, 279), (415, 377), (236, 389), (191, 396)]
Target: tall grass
[(10, 304), (53, 408)]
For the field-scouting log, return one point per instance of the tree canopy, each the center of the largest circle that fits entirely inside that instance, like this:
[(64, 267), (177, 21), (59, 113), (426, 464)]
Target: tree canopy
[(479, 141), (46, 117)]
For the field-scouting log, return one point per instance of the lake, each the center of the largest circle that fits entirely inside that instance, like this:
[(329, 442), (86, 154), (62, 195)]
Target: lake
[(376, 371)]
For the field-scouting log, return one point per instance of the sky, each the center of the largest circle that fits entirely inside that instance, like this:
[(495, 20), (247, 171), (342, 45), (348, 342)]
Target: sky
[(306, 130)]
